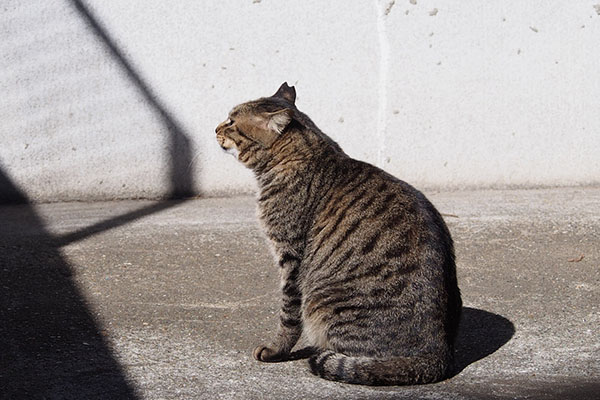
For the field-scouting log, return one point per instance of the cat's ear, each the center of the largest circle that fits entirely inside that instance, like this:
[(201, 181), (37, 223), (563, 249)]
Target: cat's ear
[(265, 128), (279, 120), (286, 92)]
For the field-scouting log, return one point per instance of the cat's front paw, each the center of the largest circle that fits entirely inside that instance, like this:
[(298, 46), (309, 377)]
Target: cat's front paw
[(264, 353)]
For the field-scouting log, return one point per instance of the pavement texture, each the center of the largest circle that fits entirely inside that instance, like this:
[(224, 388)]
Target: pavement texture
[(166, 300)]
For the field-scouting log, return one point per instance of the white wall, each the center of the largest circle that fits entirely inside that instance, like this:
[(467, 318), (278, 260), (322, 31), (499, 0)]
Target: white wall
[(440, 93)]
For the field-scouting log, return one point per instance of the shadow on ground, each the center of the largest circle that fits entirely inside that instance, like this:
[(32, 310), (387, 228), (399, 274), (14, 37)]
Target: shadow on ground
[(51, 345), (480, 334)]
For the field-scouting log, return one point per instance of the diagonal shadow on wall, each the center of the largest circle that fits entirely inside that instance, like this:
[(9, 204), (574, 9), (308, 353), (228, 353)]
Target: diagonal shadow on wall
[(181, 178), (180, 148)]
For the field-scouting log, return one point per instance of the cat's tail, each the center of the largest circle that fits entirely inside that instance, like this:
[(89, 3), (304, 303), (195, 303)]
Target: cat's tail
[(373, 371)]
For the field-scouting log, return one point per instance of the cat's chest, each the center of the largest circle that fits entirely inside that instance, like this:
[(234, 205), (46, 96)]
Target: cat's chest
[(286, 220), (276, 217)]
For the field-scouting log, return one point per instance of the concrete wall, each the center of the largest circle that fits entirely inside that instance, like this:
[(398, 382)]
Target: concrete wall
[(110, 99)]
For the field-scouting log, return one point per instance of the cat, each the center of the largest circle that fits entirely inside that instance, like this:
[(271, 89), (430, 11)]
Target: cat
[(367, 263)]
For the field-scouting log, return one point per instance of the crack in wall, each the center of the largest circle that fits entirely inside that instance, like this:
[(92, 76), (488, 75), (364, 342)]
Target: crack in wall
[(382, 8)]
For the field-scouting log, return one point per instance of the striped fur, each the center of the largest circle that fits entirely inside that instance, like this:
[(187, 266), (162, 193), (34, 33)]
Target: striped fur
[(367, 263)]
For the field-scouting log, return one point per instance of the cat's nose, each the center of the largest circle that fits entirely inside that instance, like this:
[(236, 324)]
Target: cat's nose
[(221, 125)]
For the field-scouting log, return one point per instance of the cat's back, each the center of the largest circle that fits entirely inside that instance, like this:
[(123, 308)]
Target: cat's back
[(374, 215), (380, 252)]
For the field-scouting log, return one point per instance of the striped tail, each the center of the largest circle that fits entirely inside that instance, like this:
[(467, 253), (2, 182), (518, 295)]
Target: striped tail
[(373, 371)]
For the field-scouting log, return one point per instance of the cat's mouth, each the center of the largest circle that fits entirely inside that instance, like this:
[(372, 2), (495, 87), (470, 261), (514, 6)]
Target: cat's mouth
[(233, 151), (227, 146)]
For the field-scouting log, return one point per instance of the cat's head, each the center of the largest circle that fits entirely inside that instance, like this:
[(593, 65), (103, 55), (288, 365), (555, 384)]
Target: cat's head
[(252, 128)]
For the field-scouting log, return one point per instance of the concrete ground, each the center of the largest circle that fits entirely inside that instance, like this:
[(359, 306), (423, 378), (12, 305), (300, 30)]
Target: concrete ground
[(166, 300)]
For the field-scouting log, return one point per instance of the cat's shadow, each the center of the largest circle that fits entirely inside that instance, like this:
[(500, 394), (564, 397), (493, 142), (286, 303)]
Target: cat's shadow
[(480, 334)]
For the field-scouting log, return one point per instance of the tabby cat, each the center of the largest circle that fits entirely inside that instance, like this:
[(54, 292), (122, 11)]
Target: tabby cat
[(366, 261)]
